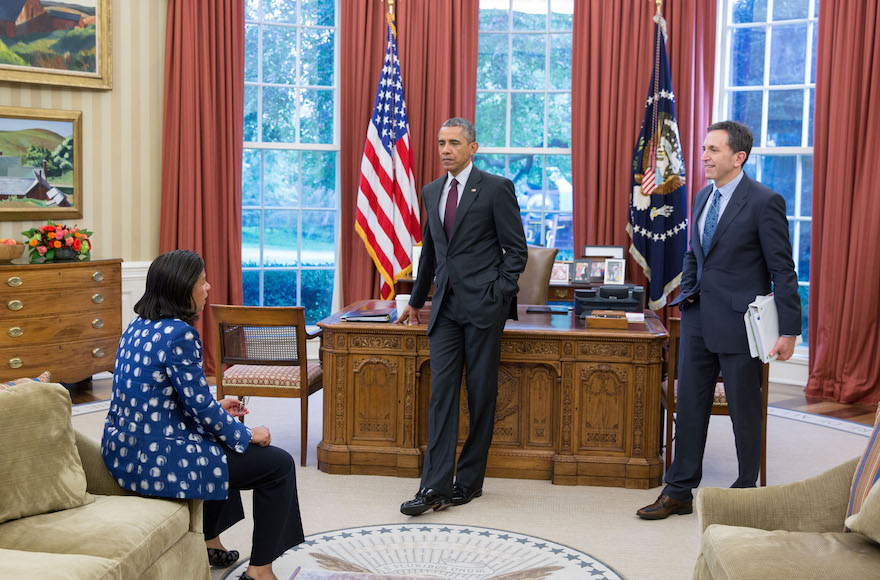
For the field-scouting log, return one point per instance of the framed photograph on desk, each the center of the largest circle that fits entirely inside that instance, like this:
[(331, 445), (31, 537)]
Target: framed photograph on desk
[(614, 271), (597, 270), (616, 252), (580, 272), (560, 273)]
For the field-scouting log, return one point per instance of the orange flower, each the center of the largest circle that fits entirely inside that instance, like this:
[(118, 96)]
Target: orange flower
[(33, 243), (77, 235), (50, 235), (56, 244)]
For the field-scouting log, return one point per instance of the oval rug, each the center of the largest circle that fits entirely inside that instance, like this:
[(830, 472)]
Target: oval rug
[(438, 551)]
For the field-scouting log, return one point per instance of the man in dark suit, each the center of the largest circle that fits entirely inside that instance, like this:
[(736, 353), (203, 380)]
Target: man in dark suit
[(739, 246), (473, 250)]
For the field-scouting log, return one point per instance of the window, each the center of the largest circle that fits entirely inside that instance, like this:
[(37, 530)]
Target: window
[(767, 80), (290, 160), (524, 111)]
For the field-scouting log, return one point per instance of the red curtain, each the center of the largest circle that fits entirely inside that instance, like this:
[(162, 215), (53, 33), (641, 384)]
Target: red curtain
[(611, 68), (202, 145), (844, 330), (437, 45)]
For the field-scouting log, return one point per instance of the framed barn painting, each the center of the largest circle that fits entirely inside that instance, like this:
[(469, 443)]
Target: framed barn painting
[(40, 164), (56, 42)]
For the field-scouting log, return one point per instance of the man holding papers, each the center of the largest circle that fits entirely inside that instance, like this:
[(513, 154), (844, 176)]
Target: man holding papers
[(738, 248)]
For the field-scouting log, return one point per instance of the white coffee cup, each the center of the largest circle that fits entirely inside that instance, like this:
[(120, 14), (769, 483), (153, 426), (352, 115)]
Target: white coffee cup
[(402, 301)]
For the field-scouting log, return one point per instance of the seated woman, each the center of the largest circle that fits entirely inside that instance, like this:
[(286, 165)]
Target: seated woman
[(166, 436)]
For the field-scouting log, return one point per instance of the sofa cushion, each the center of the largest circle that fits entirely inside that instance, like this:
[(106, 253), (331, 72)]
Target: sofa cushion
[(46, 566), (867, 472), (867, 521), (40, 468), (750, 553), (132, 530), (44, 377)]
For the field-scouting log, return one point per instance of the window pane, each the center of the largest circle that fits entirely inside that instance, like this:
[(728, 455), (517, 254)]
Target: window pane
[(280, 11), (527, 61), (491, 119), (316, 116), (492, 61), (746, 107), (785, 118), (251, 9), (790, 9), (279, 239), (778, 173), (318, 13), (251, 52), (280, 178), (493, 18), (250, 237), (526, 175), (279, 55), (532, 228), (788, 54), (558, 234), (250, 177), (559, 188), (493, 164), (749, 11), (560, 62), (319, 179), (317, 292), (316, 57), (529, 14), (561, 14), (813, 55), (250, 283), (804, 292), (279, 115), (559, 120), (279, 288), (318, 238), (804, 257), (250, 112), (527, 120), (806, 186), (747, 64), (751, 166)]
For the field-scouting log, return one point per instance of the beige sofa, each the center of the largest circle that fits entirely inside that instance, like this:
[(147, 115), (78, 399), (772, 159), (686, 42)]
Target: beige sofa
[(114, 534), (785, 531)]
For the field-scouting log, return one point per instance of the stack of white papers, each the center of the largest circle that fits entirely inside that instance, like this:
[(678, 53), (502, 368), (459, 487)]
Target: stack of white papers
[(762, 327)]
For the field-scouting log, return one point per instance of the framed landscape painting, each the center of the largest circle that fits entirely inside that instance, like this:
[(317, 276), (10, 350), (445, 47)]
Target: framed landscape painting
[(40, 164), (56, 42)]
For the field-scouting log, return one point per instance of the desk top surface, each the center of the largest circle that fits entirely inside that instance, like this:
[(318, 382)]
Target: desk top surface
[(528, 323)]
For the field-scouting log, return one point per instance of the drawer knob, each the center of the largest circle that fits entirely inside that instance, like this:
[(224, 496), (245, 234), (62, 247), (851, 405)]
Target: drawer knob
[(97, 298), (14, 363), (97, 276), (97, 352), (15, 305), (98, 323), (14, 281), (15, 331)]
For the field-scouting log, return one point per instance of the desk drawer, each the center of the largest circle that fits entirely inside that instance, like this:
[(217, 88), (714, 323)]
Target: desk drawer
[(20, 304), (87, 274), (68, 362), (104, 320)]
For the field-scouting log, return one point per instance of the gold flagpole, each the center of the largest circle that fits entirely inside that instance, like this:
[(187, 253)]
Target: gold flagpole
[(390, 16)]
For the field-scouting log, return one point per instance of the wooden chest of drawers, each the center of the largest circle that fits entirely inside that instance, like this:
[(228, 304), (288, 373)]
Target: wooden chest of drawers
[(65, 318)]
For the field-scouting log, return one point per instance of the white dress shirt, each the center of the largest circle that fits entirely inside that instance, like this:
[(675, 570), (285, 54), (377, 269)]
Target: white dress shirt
[(726, 191)]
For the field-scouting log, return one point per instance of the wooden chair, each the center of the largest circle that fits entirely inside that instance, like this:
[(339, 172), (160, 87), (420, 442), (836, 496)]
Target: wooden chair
[(535, 280), (719, 405), (264, 352)]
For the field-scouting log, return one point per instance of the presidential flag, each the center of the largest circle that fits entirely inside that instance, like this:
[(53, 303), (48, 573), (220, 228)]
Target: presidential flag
[(658, 211), (387, 217)]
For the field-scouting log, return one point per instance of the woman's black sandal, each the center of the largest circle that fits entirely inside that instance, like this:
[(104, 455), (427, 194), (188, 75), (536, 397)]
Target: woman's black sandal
[(222, 558)]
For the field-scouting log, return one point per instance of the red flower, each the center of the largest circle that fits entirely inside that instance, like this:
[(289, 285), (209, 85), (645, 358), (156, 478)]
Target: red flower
[(49, 228), (77, 244)]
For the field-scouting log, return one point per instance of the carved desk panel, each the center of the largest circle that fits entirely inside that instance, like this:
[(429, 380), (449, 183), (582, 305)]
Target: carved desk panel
[(576, 406)]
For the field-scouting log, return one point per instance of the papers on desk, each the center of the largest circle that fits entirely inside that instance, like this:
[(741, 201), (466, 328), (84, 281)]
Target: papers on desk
[(378, 315), (762, 327)]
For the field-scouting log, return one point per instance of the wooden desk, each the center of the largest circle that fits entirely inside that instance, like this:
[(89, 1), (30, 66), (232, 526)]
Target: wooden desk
[(576, 406), (555, 292)]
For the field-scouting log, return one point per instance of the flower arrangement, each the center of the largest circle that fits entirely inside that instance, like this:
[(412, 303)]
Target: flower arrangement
[(53, 242)]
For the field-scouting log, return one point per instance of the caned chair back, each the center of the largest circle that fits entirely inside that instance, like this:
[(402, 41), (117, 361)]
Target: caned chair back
[(261, 351), (534, 281)]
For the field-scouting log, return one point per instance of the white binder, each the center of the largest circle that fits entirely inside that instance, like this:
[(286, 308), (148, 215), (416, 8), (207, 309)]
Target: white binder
[(762, 327)]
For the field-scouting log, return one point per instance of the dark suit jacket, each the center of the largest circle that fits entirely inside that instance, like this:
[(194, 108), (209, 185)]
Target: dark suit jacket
[(750, 248), (484, 277)]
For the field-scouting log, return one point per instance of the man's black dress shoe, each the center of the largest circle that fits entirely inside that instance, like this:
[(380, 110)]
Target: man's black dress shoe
[(664, 507), (462, 495), (425, 499)]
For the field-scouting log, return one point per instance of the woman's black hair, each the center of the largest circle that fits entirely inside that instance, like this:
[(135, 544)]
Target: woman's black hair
[(170, 282)]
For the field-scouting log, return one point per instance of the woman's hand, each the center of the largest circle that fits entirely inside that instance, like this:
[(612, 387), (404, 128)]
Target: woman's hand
[(234, 407), (261, 436)]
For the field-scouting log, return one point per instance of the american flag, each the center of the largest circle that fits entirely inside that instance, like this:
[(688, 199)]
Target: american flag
[(388, 206), (657, 211)]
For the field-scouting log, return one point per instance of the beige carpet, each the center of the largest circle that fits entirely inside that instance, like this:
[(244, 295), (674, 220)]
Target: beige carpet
[(599, 521)]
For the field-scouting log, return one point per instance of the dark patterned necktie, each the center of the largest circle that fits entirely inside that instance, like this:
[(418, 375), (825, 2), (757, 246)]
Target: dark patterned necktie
[(711, 220), (451, 206)]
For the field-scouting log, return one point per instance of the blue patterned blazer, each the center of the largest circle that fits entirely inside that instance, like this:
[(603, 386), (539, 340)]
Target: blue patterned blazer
[(164, 430)]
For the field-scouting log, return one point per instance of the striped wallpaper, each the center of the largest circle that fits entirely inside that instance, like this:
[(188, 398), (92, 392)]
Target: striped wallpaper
[(122, 136)]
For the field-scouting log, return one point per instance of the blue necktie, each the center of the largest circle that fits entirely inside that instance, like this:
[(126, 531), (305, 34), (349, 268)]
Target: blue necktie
[(711, 220)]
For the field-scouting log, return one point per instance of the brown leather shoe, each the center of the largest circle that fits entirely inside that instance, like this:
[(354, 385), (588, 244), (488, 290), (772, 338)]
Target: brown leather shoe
[(664, 507)]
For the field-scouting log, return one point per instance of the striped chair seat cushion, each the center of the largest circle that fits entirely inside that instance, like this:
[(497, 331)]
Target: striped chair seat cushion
[(868, 471), (282, 377), (43, 378), (720, 397)]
